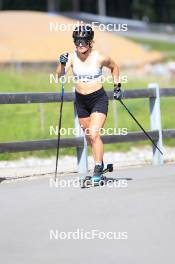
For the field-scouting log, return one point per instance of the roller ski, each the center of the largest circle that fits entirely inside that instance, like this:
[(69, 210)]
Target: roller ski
[(98, 178)]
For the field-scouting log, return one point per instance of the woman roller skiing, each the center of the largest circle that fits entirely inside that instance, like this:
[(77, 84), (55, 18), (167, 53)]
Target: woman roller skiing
[(90, 97)]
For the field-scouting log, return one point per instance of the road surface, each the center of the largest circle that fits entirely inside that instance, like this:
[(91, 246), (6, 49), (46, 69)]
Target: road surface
[(37, 219)]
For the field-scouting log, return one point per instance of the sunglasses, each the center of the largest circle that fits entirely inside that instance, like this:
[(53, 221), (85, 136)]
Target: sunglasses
[(83, 42)]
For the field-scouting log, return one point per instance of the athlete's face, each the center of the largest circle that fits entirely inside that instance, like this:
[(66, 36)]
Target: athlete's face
[(82, 45), (82, 49)]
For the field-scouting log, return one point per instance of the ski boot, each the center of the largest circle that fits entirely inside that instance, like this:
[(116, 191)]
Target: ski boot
[(98, 178)]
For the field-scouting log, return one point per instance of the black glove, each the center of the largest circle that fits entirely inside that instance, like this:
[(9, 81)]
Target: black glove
[(118, 93), (63, 58)]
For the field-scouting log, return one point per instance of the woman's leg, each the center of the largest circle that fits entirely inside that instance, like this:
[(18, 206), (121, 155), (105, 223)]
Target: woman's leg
[(92, 126), (84, 123), (97, 121)]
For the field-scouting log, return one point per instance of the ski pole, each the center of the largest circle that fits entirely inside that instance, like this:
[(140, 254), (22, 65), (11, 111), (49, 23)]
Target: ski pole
[(150, 138), (59, 123)]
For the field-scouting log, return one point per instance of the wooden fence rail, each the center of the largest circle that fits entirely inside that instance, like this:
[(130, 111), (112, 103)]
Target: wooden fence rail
[(153, 94)]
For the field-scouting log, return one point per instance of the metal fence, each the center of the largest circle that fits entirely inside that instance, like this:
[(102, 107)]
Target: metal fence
[(153, 93)]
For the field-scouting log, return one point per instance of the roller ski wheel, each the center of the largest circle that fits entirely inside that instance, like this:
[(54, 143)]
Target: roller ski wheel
[(98, 180), (86, 182), (92, 181)]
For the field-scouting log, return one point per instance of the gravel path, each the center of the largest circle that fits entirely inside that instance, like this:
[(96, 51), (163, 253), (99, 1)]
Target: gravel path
[(29, 166)]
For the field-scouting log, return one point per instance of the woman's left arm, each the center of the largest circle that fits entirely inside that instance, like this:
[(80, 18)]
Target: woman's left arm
[(109, 63)]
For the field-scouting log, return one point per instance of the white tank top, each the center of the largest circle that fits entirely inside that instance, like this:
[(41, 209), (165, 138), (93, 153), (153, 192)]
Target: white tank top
[(86, 72)]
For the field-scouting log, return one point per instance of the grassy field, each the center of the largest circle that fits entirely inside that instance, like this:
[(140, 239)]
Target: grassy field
[(23, 122), (168, 49)]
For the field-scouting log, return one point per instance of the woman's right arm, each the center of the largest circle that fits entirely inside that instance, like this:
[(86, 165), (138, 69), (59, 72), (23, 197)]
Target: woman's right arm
[(64, 64)]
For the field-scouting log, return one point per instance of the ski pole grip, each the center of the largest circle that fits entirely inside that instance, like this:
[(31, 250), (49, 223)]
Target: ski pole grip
[(64, 63)]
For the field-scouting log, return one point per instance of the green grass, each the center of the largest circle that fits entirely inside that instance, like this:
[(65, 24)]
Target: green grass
[(22, 122), (166, 48)]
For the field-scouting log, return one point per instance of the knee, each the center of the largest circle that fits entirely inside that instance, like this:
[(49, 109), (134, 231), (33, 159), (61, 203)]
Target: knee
[(83, 127), (93, 137)]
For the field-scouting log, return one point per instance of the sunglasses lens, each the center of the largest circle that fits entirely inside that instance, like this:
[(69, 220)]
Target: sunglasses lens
[(83, 42)]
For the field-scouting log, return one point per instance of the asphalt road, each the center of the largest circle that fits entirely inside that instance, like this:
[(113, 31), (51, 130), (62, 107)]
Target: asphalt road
[(37, 220)]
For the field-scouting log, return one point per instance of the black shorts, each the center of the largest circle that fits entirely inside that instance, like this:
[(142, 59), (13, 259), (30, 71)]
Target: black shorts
[(86, 104)]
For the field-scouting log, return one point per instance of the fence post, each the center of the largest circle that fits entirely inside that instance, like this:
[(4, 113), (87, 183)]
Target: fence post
[(155, 123), (82, 152)]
